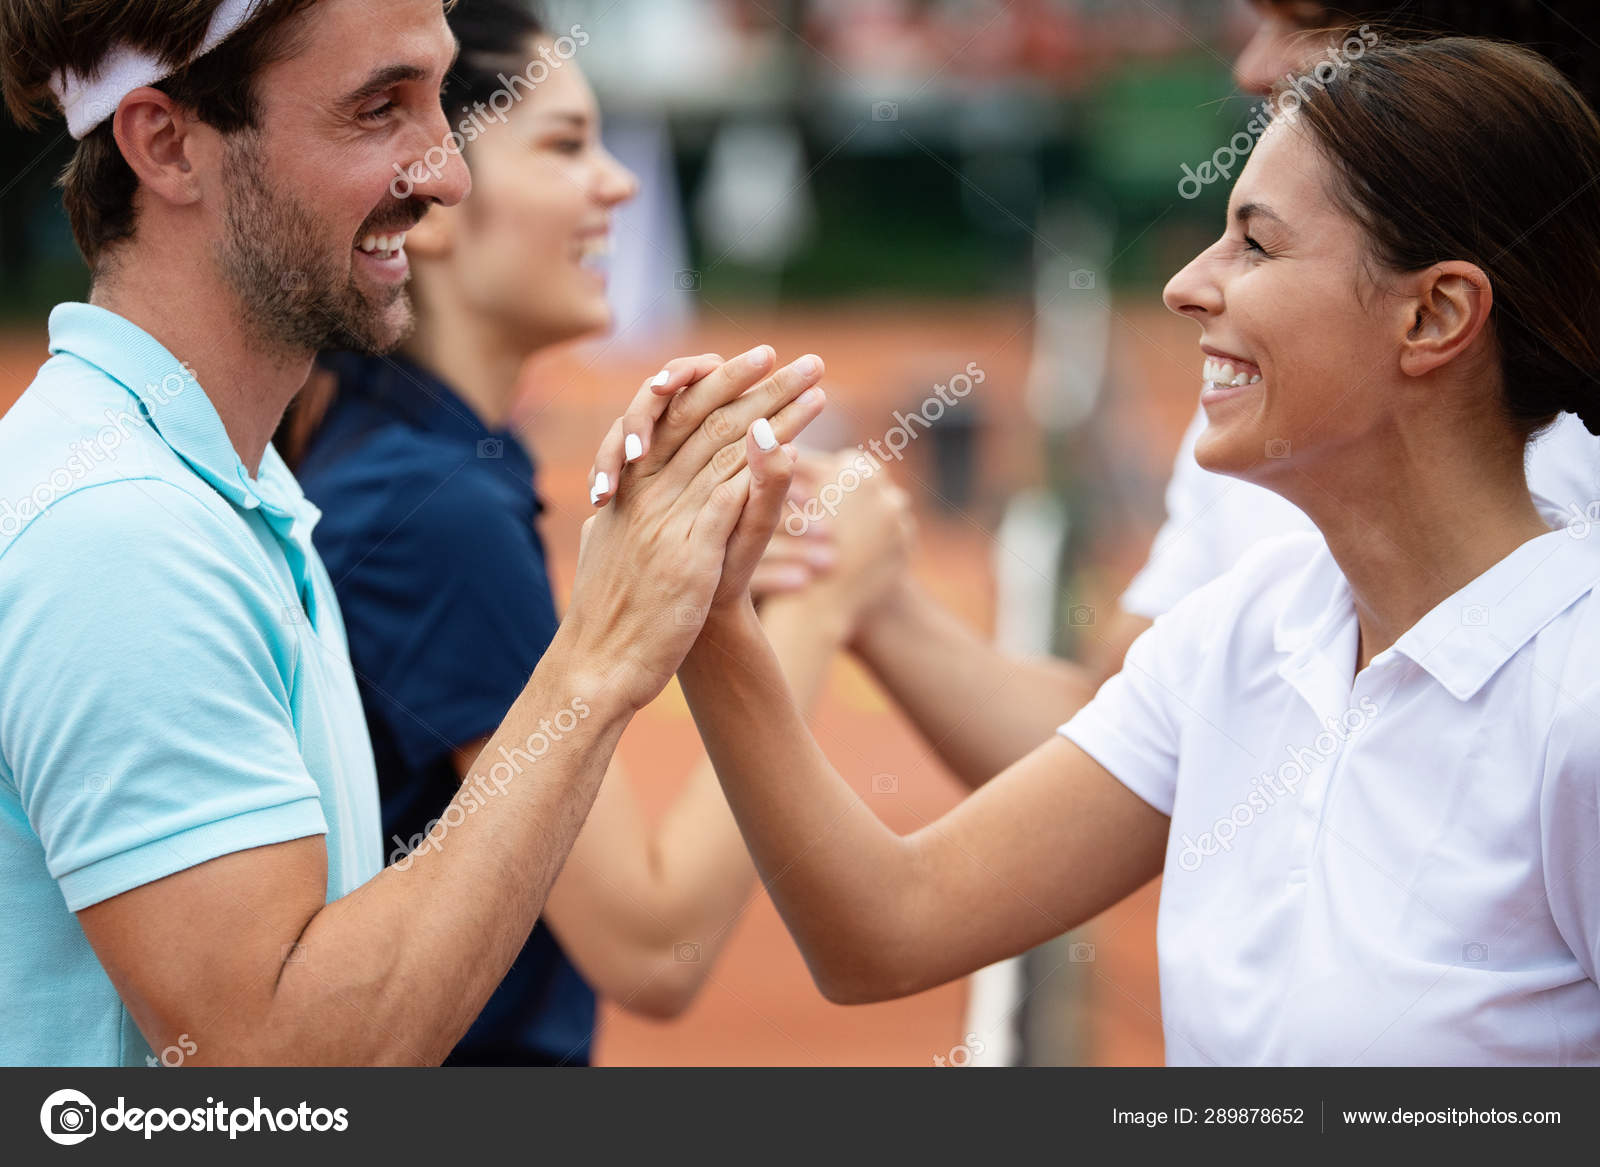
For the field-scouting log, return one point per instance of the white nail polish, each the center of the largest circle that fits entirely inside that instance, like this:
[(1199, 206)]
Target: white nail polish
[(633, 448), (765, 438), (602, 483), (661, 379)]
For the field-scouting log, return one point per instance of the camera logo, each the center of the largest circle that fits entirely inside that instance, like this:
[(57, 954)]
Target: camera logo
[(68, 1117)]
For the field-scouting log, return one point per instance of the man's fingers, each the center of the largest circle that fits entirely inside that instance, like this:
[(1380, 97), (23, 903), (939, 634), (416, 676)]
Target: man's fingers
[(727, 424), (639, 420), (731, 459), (686, 411), (629, 438)]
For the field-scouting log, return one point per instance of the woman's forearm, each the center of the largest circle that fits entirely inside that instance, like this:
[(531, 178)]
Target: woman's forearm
[(978, 708), (841, 879), (644, 910), (704, 864)]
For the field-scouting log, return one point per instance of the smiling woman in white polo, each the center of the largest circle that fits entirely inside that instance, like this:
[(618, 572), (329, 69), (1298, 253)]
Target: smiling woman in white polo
[(1366, 765)]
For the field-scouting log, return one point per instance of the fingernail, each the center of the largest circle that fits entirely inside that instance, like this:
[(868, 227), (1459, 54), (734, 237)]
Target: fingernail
[(602, 483), (806, 366), (661, 379), (809, 396), (822, 557), (759, 357), (633, 448), (765, 438)]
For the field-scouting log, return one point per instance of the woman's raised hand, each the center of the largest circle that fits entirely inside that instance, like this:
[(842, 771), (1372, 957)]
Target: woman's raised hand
[(687, 523)]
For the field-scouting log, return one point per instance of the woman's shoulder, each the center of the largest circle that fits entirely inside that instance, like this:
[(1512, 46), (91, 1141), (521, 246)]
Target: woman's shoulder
[(1286, 577)]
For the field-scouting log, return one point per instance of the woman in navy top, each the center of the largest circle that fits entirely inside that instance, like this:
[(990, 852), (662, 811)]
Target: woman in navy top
[(429, 533)]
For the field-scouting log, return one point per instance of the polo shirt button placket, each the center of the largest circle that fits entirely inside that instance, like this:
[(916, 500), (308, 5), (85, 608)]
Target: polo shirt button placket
[(1308, 830)]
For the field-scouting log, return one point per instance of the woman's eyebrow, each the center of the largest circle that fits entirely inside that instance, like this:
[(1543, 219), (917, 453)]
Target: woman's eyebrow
[(1247, 211)]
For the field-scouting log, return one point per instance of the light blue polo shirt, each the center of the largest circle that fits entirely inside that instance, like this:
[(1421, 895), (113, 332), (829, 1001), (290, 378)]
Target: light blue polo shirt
[(174, 680)]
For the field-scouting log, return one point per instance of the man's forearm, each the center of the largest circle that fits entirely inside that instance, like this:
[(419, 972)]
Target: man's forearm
[(398, 970), (978, 708)]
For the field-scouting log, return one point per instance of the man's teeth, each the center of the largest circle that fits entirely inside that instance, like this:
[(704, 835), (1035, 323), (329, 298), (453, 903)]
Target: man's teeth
[(384, 245), (1223, 373), (595, 253)]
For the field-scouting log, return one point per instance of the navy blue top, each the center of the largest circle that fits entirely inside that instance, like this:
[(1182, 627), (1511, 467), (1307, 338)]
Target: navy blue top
[(429, 533)]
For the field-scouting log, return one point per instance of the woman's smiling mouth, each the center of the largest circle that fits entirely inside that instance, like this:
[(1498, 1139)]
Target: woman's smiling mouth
[(1226, 376)]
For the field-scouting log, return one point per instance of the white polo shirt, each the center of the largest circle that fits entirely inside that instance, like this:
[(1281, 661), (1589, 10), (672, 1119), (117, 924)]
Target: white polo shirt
[(1212, 520), (1400, 866)]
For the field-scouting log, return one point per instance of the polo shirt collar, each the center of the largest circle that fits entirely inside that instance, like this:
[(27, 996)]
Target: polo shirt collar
[(176, 405), (1463, 641)]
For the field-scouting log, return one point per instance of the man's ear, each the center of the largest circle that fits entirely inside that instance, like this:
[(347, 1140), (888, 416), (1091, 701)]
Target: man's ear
[(157, 137), (434, 236), (1449, 305)]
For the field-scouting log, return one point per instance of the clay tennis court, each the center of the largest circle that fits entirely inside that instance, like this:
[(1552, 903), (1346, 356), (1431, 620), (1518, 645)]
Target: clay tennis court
[(760, 1007)]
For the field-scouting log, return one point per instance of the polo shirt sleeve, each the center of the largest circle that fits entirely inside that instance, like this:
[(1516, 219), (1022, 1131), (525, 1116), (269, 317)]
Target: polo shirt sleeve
[(1570, 825), (145, 680), (457, 604), (1134, 724), (1184, 557)]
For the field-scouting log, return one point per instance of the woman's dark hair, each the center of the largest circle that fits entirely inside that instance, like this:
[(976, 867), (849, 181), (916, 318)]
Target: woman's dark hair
[(1474, 150), (494, 36), (1566, 32)]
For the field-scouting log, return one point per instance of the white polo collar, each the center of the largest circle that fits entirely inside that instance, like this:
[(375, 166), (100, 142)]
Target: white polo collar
[(1464, 640)]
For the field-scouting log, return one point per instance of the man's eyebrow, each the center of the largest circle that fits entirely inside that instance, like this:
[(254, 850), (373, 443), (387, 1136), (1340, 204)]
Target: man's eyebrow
[(1248, 211), (386, 78)]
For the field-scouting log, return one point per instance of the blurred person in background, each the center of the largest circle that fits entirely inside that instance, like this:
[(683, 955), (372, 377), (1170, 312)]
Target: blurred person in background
[(1408, 296), (938, 669), (430, 533)]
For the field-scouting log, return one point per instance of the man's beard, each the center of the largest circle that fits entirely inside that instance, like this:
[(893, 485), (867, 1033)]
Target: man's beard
[(292, 294)]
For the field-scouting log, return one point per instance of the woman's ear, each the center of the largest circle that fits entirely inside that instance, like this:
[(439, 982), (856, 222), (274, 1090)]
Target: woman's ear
[(1449, 306), (434, 236)]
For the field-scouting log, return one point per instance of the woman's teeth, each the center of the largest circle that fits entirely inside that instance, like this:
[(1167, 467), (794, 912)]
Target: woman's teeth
[(383, 246), (1223, 373), (595, 254)]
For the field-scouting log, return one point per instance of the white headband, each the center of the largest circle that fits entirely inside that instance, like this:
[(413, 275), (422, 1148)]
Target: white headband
[(88, 101)]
